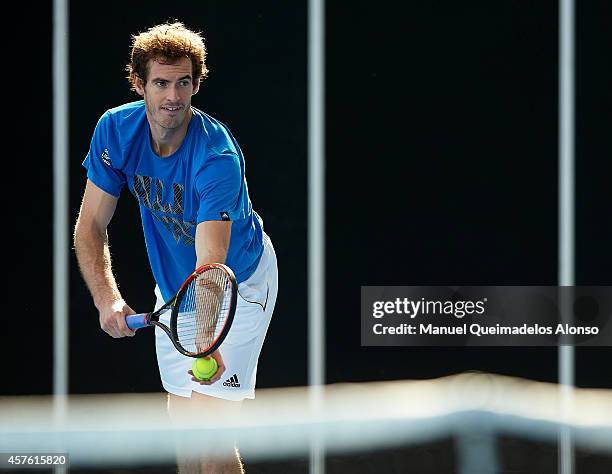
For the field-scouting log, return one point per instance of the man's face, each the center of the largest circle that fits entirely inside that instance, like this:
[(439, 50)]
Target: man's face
[(167, 93)]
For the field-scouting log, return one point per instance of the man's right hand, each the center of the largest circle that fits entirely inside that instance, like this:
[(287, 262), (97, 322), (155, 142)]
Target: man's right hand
[(112, 319)]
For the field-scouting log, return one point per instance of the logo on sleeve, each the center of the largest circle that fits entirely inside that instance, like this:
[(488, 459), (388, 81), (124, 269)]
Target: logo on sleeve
[(106, 157), (225, 216)]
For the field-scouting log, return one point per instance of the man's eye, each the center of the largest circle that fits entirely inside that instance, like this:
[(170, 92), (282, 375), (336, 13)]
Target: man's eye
[(184, 83), (160, 84)]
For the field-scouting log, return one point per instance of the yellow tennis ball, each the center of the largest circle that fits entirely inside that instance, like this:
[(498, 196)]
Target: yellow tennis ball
[(204, 369)]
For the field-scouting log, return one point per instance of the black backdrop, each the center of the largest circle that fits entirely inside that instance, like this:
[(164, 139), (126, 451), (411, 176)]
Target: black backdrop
[(441, 169)]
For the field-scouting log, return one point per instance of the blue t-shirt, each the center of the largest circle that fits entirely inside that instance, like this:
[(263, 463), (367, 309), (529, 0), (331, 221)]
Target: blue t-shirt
[(204, 180)]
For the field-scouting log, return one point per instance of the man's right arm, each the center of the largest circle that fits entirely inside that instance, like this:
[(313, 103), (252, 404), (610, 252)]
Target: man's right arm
[(93, 256)]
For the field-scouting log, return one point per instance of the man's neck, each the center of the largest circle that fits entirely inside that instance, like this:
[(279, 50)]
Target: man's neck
[(166, 141)]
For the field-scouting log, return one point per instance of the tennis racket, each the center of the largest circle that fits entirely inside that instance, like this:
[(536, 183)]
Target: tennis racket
[(202, 311)]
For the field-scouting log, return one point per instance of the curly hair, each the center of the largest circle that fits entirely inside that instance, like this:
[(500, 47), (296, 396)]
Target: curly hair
[(168, 41)]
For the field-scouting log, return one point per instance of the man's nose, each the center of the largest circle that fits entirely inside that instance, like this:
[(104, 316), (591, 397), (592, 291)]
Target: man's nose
[(173, 94)]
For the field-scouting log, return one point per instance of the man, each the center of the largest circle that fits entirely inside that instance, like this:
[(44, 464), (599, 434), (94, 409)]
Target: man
[(187, 172)]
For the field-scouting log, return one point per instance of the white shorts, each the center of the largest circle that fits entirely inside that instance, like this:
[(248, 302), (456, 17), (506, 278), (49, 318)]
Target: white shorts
[(240, 349)]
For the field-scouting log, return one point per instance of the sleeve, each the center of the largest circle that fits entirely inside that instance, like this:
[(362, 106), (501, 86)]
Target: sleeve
[(219, 186), (103, 150)]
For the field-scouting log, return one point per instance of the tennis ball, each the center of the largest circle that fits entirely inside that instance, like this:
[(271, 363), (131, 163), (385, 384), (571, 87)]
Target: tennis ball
[(204, 369)]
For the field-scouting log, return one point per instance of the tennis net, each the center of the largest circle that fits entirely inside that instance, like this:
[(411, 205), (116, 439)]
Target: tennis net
[(478, 411)]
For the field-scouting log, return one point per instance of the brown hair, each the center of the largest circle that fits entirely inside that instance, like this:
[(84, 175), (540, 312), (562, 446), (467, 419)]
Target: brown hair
[(168, 41)]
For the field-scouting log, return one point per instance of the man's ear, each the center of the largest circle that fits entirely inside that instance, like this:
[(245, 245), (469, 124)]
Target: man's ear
[(196, 87), (138, 84)]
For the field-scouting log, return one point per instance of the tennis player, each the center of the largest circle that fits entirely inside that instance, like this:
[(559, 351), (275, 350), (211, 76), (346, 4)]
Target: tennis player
[(187, 173)]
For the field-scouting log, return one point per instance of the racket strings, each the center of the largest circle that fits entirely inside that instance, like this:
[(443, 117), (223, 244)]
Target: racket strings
[(203, 310)]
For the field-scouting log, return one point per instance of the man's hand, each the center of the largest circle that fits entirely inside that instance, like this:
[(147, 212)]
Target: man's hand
[(112, 319), (221, 368)]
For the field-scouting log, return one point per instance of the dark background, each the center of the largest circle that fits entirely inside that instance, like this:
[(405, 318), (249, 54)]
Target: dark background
[(441, 164)]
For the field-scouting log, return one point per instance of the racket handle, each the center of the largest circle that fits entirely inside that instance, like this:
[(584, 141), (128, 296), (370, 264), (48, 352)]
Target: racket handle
[(137, 321)]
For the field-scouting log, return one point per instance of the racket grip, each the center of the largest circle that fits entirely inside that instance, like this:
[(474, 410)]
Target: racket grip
[(137, 321)]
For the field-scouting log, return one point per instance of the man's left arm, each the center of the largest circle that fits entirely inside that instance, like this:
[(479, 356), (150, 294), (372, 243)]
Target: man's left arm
[(212, 239)]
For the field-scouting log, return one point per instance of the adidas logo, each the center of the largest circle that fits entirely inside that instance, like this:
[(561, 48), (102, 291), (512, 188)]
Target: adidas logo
[(106, 157), (232, 382), (225, 216)]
